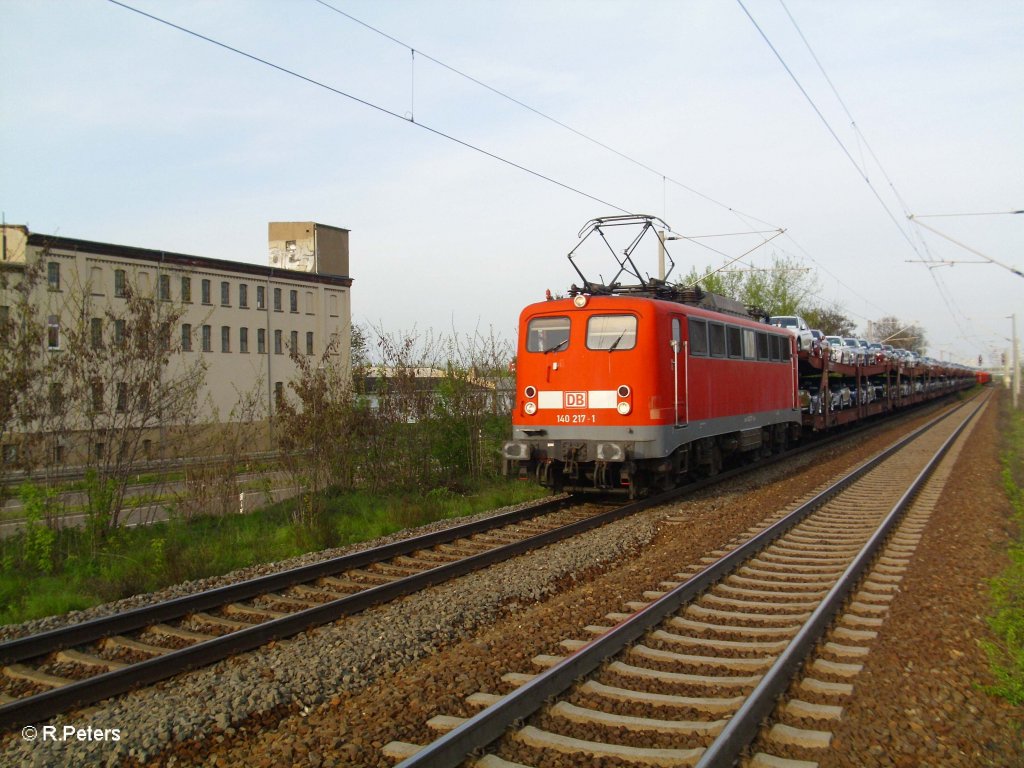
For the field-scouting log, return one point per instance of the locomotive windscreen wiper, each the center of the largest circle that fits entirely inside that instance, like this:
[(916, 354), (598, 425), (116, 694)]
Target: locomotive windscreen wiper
[(559, 345), (616, 342)]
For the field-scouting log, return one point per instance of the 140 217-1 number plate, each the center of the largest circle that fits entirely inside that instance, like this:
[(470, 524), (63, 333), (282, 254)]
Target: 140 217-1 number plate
[(576, 418)]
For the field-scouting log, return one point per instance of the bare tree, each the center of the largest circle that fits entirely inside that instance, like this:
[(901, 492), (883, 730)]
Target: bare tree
[(123, 382), (211, 484), (23, 360), (315, 432), (892, 330)]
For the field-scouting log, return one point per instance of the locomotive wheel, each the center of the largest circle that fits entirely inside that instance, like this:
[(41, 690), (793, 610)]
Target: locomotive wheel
[(781, 442), (712, 460)]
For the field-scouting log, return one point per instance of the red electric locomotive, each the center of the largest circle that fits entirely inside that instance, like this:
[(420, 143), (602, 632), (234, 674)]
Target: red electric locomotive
[(636, 387)]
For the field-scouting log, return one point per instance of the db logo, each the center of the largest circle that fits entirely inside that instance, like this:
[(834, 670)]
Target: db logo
[(575, 399)]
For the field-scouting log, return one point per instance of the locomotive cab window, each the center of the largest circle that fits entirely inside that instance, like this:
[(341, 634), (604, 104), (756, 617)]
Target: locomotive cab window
[(545, 334), (611, 332), (763, 346)]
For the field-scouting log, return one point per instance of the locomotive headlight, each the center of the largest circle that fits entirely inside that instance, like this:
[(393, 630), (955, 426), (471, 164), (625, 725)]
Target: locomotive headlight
[(516, 451), (530, 408), (623, 391), (610, 452), (530, 392), (624, 408), (579, 301)]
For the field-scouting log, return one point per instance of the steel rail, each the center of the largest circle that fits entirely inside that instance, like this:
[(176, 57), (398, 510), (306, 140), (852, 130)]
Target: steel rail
[(38, 707), (35, 708), (741, 729), (477, 732), (31, 646)]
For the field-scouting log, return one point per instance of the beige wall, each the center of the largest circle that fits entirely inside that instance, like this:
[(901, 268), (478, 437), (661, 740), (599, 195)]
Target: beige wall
[(308, 247), (320, 308)]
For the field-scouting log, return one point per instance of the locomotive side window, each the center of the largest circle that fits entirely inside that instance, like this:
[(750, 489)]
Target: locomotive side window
[(611, 332), (735, 338), (785, 343), (698, 337), (776, 347), (717, 334), (545, 334), (763, 352), (749, 347)]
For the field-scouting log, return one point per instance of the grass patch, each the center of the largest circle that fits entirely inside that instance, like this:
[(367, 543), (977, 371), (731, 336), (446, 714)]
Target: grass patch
[(1006, 654), (43, 573)]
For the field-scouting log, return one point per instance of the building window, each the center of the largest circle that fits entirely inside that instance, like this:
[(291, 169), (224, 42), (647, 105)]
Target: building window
[(309, 342), (207, 339), (120, 330), (98, 450), (243, 296), (293, 301), (56, 397), (119, 283), (261, 297), (122, 397), (293, 343), (261, 341), (96, 281), (53, 275), (58, 454), (186, 290), (96, 332), (277, 299), (5, 322), (225, 338), (309, 303), (243, 340), (278, 393), (164, 287), (205, 290), (277, 342), (225, 294), (186, 337), (97, 395), (53, 332)]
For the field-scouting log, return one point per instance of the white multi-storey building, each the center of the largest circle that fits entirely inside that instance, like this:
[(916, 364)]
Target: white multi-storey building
[(243, 319)]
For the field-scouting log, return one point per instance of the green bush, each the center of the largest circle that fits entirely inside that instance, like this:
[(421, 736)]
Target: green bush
[(82, 572)]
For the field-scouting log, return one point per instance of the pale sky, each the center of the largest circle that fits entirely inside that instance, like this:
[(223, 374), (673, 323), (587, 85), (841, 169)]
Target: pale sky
[(119, 129)]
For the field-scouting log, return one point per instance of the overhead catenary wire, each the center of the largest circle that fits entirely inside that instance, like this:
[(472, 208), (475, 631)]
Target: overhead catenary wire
[(828, 127), (966, 247), (926, 256), (370, 104), (581, 134)]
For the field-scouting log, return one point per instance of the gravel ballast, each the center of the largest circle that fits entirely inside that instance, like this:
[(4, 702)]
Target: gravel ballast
[(336, 695)]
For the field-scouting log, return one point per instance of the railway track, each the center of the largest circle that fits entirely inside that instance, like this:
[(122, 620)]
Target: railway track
[(44, 675), (689, 675)]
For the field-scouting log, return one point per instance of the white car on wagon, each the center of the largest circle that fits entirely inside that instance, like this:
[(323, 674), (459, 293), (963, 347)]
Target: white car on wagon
[(796, 324)]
